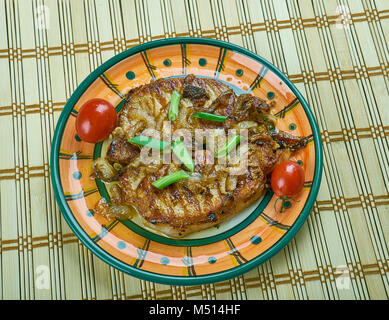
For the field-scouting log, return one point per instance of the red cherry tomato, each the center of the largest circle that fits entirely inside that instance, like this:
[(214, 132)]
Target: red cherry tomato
[(287, 179), (95, 120)]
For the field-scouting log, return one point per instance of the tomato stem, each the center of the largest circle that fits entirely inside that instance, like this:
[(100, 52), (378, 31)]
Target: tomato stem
[(285, 204)]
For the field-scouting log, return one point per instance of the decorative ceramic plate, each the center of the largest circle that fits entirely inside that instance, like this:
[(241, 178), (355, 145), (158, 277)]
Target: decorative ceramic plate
[(236, 246)]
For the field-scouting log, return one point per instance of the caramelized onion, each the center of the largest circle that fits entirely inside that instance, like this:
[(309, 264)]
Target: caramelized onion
[(246, 124), (121, 211), (104, 170)]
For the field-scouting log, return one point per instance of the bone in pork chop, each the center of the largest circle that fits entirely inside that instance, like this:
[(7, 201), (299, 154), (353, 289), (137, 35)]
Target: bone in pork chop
[(212, 194)]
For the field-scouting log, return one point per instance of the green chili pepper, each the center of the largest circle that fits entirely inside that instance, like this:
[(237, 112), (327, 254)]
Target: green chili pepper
[(174, 103), (183, 154), (169, 179), (209, 116), (231, 144), (149, 142)]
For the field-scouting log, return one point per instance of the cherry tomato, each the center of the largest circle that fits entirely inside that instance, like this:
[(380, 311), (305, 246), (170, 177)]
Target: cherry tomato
[(287, 179), (95, 120)]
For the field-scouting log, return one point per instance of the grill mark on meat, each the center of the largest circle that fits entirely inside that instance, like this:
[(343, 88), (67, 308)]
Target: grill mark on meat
[(191, 199), (174, 202), (216, 199), (167, 210), (175, 194), (202, 204), (190, 212), (163, 211)]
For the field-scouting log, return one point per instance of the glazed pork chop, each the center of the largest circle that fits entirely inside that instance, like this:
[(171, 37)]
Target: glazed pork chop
[(213, 192)]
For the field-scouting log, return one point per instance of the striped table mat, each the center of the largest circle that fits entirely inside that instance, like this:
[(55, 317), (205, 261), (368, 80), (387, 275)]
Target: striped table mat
[(335, 51)]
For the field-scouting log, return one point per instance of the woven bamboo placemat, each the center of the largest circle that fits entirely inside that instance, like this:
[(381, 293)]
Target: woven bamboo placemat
[(335, 51)]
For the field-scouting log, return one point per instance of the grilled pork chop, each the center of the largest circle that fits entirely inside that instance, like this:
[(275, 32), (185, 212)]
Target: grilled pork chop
[(214, 192)]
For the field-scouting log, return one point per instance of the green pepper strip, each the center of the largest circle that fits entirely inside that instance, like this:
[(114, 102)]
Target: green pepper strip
[(150, 142), (231, 143), (169, 179), (209, 116), (182, 154), (174, 103)]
